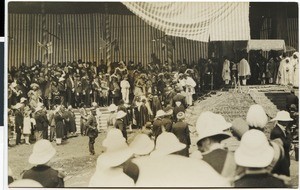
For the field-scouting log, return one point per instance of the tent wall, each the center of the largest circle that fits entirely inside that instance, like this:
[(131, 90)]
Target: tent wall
[(79, 36)]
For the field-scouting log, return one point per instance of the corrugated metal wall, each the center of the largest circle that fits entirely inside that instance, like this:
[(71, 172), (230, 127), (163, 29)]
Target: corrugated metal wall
[(293, 32), (80, 36)]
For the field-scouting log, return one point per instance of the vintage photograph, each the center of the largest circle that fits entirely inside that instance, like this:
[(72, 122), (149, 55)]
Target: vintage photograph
[(152, 94)]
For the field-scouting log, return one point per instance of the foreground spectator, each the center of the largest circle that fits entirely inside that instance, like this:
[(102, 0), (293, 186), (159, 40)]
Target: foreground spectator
[(256, 154), (109, 171), (210, 128), (280, 131), (48, 177)]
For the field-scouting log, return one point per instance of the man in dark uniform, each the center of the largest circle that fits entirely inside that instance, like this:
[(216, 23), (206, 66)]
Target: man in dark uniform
[(92, 131)]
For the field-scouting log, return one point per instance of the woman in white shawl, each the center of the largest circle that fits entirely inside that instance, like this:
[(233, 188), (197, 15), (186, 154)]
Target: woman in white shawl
[(285, 72), (190, 89), (295, 64), (226, 71)]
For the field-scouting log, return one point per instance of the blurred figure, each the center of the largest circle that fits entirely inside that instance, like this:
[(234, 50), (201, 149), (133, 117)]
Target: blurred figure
[(109, 171), (92, 130), (282, 132), (255, 156), (48, 177), (182, 132), (210, 128)]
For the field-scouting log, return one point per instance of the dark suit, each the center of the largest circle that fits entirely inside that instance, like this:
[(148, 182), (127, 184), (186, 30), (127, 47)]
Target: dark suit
[(119, 124), (19, 125), (45, 175), (42, 123), (70, 91), (291, 99), (156, 129), (283, 165), (182, 132)]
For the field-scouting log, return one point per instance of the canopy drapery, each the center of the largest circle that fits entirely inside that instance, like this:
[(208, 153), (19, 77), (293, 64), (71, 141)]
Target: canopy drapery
[(200, 21), (266, 45)]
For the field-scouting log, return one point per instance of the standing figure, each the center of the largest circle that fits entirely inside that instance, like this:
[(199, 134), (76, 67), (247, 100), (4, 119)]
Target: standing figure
[(19, 119), (92, 130), (190, 90), (285, 72), (295, 63), (125, 86), (59, 122), (70, 84), (244, 71), (120, 123), (182, 132), (226, 71), (28, 121)]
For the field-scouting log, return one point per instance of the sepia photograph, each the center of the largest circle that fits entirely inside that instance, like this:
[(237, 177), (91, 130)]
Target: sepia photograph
[(152, 94)]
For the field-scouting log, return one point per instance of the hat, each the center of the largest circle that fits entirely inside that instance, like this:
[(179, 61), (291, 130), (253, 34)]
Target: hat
[(22, 100), (117, 150), (167, 143), (160, 113), (120, 114), (254, 150), (112, 108), (141, 145), (169, 110), (178, 103), (42, 152), (282, 116), (94, 104), (25, 183), (17, 106), (239, 126), (13, 84), (39, 106), (61, 79), (180, 115), (210, 124), (256, 116), (34, 85), (113, 139), (114, 158)]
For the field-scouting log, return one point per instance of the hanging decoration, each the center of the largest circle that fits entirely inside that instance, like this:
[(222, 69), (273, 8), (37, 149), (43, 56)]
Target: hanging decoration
[(200, 21)]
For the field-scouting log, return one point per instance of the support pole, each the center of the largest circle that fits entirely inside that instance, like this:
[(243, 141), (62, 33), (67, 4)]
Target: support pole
[(108, 39), (45, 36)]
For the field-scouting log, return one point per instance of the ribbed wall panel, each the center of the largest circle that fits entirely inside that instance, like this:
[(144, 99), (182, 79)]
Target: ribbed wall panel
[(80, 36)]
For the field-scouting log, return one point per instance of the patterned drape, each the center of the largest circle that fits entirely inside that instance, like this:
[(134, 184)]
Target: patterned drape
[(201, 21)]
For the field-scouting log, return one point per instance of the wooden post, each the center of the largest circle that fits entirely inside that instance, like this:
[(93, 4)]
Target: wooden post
[(108, 39), (45, 36)]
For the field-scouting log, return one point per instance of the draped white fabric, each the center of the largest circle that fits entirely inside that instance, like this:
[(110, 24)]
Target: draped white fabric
[(201, 21)]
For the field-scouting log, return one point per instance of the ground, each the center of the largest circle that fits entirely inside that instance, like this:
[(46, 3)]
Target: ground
[(73, 156)]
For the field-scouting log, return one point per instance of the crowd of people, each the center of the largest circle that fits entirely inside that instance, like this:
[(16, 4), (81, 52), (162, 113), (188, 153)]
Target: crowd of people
[(153, 99), (237, 154)]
